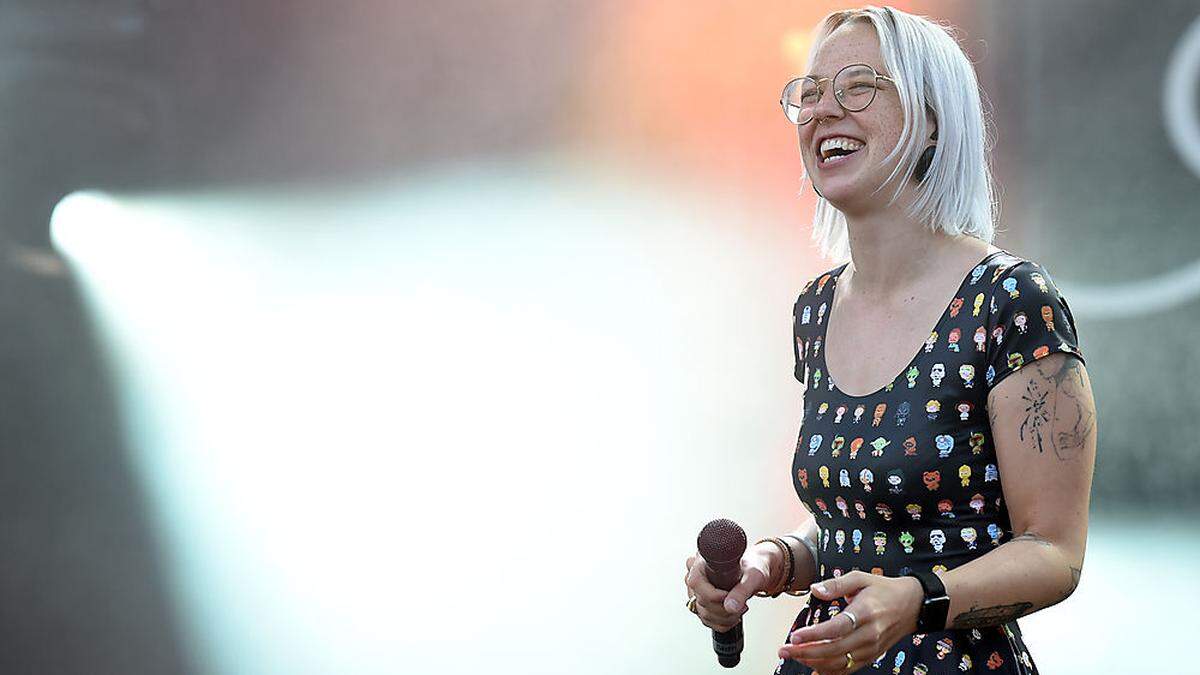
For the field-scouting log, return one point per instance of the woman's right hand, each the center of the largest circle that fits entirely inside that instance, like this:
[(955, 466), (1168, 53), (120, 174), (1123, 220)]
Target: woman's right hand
[(722, 610)]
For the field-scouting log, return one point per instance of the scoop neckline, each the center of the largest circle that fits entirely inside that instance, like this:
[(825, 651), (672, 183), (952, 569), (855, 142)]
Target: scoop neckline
[(920, 348)]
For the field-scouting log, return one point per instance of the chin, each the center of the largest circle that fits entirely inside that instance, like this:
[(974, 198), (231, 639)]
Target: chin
[(838, 193)]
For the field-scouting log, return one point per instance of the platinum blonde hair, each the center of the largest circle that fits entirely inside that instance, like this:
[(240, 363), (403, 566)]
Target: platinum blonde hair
[(932, 73)]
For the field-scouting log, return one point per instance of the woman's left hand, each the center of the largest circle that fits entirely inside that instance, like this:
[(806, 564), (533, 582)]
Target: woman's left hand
[(885, 609)]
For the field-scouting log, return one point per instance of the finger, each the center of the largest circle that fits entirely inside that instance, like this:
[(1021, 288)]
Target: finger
[(838, 627), (753, 580), (717, 620), (832, 650), (844, 586), (691, 559), (701, 587), (829, 657)]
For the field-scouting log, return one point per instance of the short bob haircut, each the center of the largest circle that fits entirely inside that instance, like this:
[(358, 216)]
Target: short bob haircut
[(932, 73)]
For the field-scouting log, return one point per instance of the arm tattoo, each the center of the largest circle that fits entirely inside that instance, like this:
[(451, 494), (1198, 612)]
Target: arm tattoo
[(981, 617), (1057, 410)]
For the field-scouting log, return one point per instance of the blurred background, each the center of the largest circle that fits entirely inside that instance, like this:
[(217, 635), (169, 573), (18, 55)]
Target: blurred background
[(386, 337)]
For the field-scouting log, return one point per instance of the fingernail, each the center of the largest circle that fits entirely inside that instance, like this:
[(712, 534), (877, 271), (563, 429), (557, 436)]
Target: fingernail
[(732, 605), (820, 588)]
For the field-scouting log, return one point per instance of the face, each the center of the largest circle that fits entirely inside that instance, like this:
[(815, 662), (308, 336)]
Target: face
[(848, 183)]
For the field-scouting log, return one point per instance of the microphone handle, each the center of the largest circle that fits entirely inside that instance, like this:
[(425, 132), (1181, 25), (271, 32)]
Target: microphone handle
[(729, 644)]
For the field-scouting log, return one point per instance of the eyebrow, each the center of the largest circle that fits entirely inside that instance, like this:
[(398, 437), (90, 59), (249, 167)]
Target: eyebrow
[(815, 77)]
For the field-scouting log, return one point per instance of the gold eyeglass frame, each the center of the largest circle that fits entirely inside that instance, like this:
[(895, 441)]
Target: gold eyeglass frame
[(836, 93)]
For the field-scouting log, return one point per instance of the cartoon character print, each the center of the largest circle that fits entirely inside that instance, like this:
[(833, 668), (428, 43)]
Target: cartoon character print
[(955, 305), (967, 372), (976, 442), (955, 334), (945, 445), (879, 411), (939, 523)]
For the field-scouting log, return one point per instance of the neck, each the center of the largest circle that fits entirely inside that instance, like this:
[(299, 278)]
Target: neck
[(887, 249)]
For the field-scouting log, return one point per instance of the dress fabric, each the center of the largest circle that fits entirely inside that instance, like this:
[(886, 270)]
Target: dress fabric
[(906, 478)]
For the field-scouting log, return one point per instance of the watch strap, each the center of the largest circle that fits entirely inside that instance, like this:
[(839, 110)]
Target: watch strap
[(936, 604)]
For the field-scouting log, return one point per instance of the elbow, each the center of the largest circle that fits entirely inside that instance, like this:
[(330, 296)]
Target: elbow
[(1076, 569), (1064, 559)]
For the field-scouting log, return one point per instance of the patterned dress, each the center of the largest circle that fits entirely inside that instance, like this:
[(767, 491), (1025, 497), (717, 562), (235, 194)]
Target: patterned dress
[(906, 478)]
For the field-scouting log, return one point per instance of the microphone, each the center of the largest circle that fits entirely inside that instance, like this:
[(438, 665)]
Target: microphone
[(721, 544)]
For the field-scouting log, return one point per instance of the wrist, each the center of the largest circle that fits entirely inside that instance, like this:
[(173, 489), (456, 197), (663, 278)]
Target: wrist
[(775, 564), (806, 570), (916, 595)]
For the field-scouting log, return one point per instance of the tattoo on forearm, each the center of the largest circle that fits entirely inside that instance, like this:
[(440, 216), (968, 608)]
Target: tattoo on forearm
[(981, 617), (1058, 411)]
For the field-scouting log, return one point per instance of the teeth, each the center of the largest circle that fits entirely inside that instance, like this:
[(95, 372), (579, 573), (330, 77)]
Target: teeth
[(839, 142)]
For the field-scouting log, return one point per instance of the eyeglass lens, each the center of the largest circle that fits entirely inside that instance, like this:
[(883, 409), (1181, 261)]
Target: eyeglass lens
[(853, 86)]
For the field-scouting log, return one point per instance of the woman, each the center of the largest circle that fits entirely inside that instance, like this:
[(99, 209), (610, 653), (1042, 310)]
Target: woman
[(962, 472)]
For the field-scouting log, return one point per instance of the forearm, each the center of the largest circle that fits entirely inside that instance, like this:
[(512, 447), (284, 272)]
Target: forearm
[(804, 566), (1021, 576)]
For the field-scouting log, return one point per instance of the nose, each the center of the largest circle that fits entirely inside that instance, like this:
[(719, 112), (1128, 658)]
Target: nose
[(827, 106)]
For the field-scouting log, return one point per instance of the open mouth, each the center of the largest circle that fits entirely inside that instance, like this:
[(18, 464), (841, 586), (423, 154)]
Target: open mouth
[(836, 157), (838, 149)]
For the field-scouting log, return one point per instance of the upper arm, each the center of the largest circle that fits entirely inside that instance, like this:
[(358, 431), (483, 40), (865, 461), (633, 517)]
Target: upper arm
[(1040, 407), (1043, 420)]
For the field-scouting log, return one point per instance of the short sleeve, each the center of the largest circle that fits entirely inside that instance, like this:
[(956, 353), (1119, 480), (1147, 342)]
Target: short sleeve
[(799, 341), (1029, 319), (799, 369)]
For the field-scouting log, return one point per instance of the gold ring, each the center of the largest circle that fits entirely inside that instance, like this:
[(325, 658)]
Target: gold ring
[(853, 619), (691, 605), (849, 661)]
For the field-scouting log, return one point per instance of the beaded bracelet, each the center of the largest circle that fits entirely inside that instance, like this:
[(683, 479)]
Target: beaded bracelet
[(788, 567), (792, 578)]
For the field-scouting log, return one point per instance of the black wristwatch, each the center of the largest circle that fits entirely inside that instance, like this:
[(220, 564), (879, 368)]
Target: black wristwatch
[(936, 605)]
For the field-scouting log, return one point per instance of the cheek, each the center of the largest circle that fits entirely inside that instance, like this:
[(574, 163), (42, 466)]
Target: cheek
[(804, 138)]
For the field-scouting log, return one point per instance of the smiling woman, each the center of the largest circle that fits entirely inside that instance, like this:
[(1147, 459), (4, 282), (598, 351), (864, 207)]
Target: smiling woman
[(948, 491)]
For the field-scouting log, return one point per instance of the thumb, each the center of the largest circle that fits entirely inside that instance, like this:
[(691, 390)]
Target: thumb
[(752, 581), (843, 586)]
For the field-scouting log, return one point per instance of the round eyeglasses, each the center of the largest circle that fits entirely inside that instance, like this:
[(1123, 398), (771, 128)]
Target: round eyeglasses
[(854, 88)]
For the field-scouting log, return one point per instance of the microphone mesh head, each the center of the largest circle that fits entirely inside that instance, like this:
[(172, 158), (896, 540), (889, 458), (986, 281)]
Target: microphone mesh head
[(722, 540)]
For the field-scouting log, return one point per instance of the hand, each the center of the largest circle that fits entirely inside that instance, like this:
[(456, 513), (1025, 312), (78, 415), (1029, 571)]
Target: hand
[(722, 610), (886, 609)]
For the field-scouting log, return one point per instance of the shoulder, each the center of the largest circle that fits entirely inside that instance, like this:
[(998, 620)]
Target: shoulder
[(818, 286), (1006, 266), (1028, 317), (1018, 281)]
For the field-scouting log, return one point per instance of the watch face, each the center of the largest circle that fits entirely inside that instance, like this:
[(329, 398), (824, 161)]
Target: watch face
[(933, 614)]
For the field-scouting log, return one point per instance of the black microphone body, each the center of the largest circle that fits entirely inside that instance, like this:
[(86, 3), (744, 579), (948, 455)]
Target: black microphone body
[(721, 544)]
